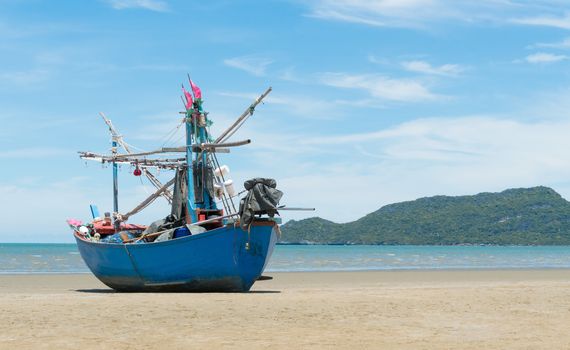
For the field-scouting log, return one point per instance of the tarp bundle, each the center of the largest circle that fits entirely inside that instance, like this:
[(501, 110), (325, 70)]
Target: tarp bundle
[(180, 195), (262, 198), (203, 176)]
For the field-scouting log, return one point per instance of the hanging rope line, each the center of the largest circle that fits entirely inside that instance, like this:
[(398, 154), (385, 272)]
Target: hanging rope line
[(151, 177), (173, 132)]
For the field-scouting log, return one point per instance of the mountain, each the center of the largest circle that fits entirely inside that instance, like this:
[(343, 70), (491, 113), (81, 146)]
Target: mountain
[(524, 216)]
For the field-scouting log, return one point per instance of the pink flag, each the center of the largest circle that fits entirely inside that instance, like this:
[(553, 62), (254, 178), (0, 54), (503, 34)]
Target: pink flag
[(196, 90), (188, 98), (74, 222)]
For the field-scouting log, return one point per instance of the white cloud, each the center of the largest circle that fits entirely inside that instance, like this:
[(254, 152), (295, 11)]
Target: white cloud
[(542, 57), (425, 157), (14, 29), (256, 65), (50, 57), (376, 60), (338, 16), (549, 105), (289, 74), (402, 90), (153, 5), (399, 13), (426, 68), (564, 44), (545, 21), (25, 78), (34, 152), (422, 13), (46, 205), (307, 107)]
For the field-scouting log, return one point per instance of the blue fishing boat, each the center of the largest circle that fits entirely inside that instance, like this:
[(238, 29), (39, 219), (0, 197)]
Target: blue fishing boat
[(205, 244), (226, 259)]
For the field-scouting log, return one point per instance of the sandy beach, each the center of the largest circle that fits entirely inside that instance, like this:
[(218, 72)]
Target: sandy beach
[(373, 310)]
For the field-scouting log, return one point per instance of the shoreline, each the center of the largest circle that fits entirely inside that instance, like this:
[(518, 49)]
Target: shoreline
[(65, 282), (422, 245), (404, 269)]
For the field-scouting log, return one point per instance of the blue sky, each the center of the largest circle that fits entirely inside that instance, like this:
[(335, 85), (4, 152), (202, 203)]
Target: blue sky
[(374, 102)]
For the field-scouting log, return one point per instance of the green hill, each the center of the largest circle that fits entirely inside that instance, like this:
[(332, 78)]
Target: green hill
[(527, 216)]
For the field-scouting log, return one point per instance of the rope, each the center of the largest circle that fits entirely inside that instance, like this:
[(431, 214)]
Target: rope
[(173, 132), (230, 134), (123, 144)]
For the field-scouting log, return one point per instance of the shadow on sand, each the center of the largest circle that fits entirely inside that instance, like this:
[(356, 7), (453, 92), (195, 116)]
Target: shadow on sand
[(109, 291), (96, 290)]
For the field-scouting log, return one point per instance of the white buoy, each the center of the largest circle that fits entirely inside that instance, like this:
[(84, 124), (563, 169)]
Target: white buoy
[(83, 230), (230, 190), (223, 171), (218, 190)]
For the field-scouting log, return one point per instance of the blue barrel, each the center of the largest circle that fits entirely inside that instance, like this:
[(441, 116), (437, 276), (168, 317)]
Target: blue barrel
[(181, 232)]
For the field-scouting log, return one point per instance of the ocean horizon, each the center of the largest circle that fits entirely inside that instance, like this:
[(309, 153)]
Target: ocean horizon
[(62, 258)]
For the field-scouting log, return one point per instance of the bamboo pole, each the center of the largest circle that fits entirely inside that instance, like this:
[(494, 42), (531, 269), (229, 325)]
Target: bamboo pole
[(183, 149), (149, 153), (295, 209), (149, 200), (249, 111), (227, 144)]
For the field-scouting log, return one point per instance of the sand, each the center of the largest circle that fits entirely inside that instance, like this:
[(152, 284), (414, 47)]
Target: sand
[(350, 310)]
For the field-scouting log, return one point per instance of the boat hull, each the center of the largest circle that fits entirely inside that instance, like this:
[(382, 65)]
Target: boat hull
[(225, 259)]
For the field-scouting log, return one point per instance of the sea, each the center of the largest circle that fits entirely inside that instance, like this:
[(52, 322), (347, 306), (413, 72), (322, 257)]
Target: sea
[(31, 258)]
